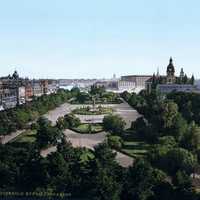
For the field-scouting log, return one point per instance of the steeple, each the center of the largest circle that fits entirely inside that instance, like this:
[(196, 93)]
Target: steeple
[(171, 72), (182, 74), (170, 67), (171, 61)]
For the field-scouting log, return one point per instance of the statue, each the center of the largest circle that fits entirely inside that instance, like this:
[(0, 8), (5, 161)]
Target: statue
[(93, 102)]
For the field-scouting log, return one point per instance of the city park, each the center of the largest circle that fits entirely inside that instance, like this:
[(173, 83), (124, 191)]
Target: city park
[(81, 136), (88, 114)]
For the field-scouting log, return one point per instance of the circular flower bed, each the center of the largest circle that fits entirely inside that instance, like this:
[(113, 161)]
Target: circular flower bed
[(100, 110), (88, 128)]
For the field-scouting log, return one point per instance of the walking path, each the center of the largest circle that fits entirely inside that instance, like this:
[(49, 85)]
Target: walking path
[(5, 139), (86, 140), (89, 141), (123, 109)]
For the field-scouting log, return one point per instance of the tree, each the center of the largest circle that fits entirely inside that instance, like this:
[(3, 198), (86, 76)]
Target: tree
[(61, 123), (179, 127), (115, 142), (167, 140), (82, 97), (97, 90), (183, 183), (46, 134), (133, 100), (105, 186), (72, 120), (139, 125), (126, 95), (144, 130), (182, 180), (7, 176), (169, 114), (192, 80), (185, 79), (35, 174), (75, 91), (105, 183), (191, 139), (179, 159), (105, 155), (114, 123), (141, 180)]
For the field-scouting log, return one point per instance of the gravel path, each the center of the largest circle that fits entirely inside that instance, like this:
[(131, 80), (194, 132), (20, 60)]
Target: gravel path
[(86, 140), (89, 141), (5, 139), (45, 152), (123, 109)]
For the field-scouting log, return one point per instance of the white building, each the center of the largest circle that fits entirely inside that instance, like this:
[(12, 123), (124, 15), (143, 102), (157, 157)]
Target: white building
[(126, 86), (21, 95)]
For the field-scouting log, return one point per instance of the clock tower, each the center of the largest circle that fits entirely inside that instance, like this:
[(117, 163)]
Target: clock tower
[(171, 72)]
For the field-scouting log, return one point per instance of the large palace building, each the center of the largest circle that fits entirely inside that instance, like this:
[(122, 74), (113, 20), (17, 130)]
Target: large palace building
[(171, 82)]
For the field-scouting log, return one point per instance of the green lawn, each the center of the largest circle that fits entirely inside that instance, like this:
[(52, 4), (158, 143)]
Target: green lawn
[(26, 136), (89, 128), (100, 101), (90, 111), (134, 146)]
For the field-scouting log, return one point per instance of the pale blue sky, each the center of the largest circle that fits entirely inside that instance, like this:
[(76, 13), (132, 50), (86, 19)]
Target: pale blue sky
[(96, 38)]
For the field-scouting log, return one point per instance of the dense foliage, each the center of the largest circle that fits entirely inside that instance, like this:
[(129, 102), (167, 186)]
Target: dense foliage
[(188, 104), (165, 173), (88, 174), (114, 124), (97, 94), (171, 124), (17, 118), (47, 134)]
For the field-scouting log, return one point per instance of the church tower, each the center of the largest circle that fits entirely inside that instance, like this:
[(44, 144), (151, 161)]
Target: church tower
[(171, 72), (182, 74)]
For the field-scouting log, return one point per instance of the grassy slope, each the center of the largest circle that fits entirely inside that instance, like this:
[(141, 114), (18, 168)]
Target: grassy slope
[(133, 146), (26, 136)]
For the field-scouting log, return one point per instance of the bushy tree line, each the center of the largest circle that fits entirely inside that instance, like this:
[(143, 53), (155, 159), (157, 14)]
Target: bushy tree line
[(97, 93), (171, 125), (94, 174), (188, 104), (17, 118), (87, 174), (47, 134)]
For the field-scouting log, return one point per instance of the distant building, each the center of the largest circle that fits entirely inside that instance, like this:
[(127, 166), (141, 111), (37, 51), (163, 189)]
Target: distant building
[(126, 86), (52, 86), (171, 82), (116, 85), (28, 91), (16, 91), (22, 94), (167, 88), (139, 80), (37, 88), (9, 90), (44, 86), (109, 84)]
